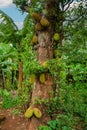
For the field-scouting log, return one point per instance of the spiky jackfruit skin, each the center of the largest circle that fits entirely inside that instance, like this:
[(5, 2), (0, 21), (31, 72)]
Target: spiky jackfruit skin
[(38, 27), (32, 78), (37, 113), (56, 36), (42, 78), (44, 22), (45, 65), (34, 40), (29, 113), (36, 16)]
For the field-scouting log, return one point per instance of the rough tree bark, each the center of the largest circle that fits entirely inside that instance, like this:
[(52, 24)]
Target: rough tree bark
[(42, 91)]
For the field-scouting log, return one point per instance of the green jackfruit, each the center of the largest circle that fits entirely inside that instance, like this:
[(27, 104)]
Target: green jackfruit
[(56, 36), (38, 27), (37, 113), (34, 40), (45, 65), (42, 78), (36, 16), (32, 78), (44, 22), (29, 113)]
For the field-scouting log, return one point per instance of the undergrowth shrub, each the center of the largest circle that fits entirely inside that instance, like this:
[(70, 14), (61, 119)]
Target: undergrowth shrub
[(9, 100), (62, 122)]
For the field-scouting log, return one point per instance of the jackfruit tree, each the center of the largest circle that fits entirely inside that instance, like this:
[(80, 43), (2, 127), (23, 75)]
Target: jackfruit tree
[(49, 17)]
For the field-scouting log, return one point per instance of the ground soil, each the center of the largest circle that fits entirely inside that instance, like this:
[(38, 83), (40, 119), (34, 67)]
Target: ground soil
[(13, 122)]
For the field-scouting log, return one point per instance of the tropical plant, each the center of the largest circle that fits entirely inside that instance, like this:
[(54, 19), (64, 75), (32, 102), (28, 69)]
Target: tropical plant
[(7, 53), (14, 37)]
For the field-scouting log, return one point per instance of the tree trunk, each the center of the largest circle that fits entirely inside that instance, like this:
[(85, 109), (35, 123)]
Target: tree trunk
[(12, 80), (44, 52), (42, 90), (20, 75)]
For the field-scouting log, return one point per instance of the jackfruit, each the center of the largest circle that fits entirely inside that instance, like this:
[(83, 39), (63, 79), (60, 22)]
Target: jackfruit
[(56, 36), (42, 78), (44, 22), (44, 64), (37, 113), (36, 16), (35, 39), (29, 113), (32, 78), (38, 27)]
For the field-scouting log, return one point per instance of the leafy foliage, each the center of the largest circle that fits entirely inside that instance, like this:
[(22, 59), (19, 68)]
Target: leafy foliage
[(7, 28), (8, 101), (64, 122), (11, 99)]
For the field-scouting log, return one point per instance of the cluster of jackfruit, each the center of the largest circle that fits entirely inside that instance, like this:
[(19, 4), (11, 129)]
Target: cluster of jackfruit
[(41, 22), (34, 40), (33, 111)]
